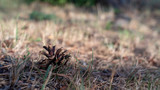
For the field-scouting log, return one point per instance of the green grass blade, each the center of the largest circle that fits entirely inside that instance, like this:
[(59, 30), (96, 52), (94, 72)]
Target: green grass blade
[(47, 76)]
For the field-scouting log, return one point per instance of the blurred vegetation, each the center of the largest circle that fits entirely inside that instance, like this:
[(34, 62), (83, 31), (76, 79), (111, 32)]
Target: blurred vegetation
[(56, 2), (5, 4), (63, 2), (38, 16), (84, 2), (109, 25), (28, 1), (115, 3), (139, 4)]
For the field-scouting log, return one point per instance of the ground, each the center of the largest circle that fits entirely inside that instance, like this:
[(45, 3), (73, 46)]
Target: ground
[(109, 49)]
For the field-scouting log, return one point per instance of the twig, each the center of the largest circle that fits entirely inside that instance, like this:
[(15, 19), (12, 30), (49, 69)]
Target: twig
[(112, 76)]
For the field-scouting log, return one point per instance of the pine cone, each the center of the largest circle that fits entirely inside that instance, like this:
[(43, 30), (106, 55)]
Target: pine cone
[(55, 57)]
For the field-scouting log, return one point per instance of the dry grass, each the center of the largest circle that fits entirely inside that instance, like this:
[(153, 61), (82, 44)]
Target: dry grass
[(124, 57)]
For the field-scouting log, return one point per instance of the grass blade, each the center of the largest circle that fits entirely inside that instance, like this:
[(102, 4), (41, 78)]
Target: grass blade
[(47, 76)]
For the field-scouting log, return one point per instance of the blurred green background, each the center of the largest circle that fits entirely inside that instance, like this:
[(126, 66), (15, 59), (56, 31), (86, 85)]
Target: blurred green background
[(115, 3)]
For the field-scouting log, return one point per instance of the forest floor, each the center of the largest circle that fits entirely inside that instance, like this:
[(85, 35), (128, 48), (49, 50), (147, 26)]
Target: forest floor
[(109, 49)]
